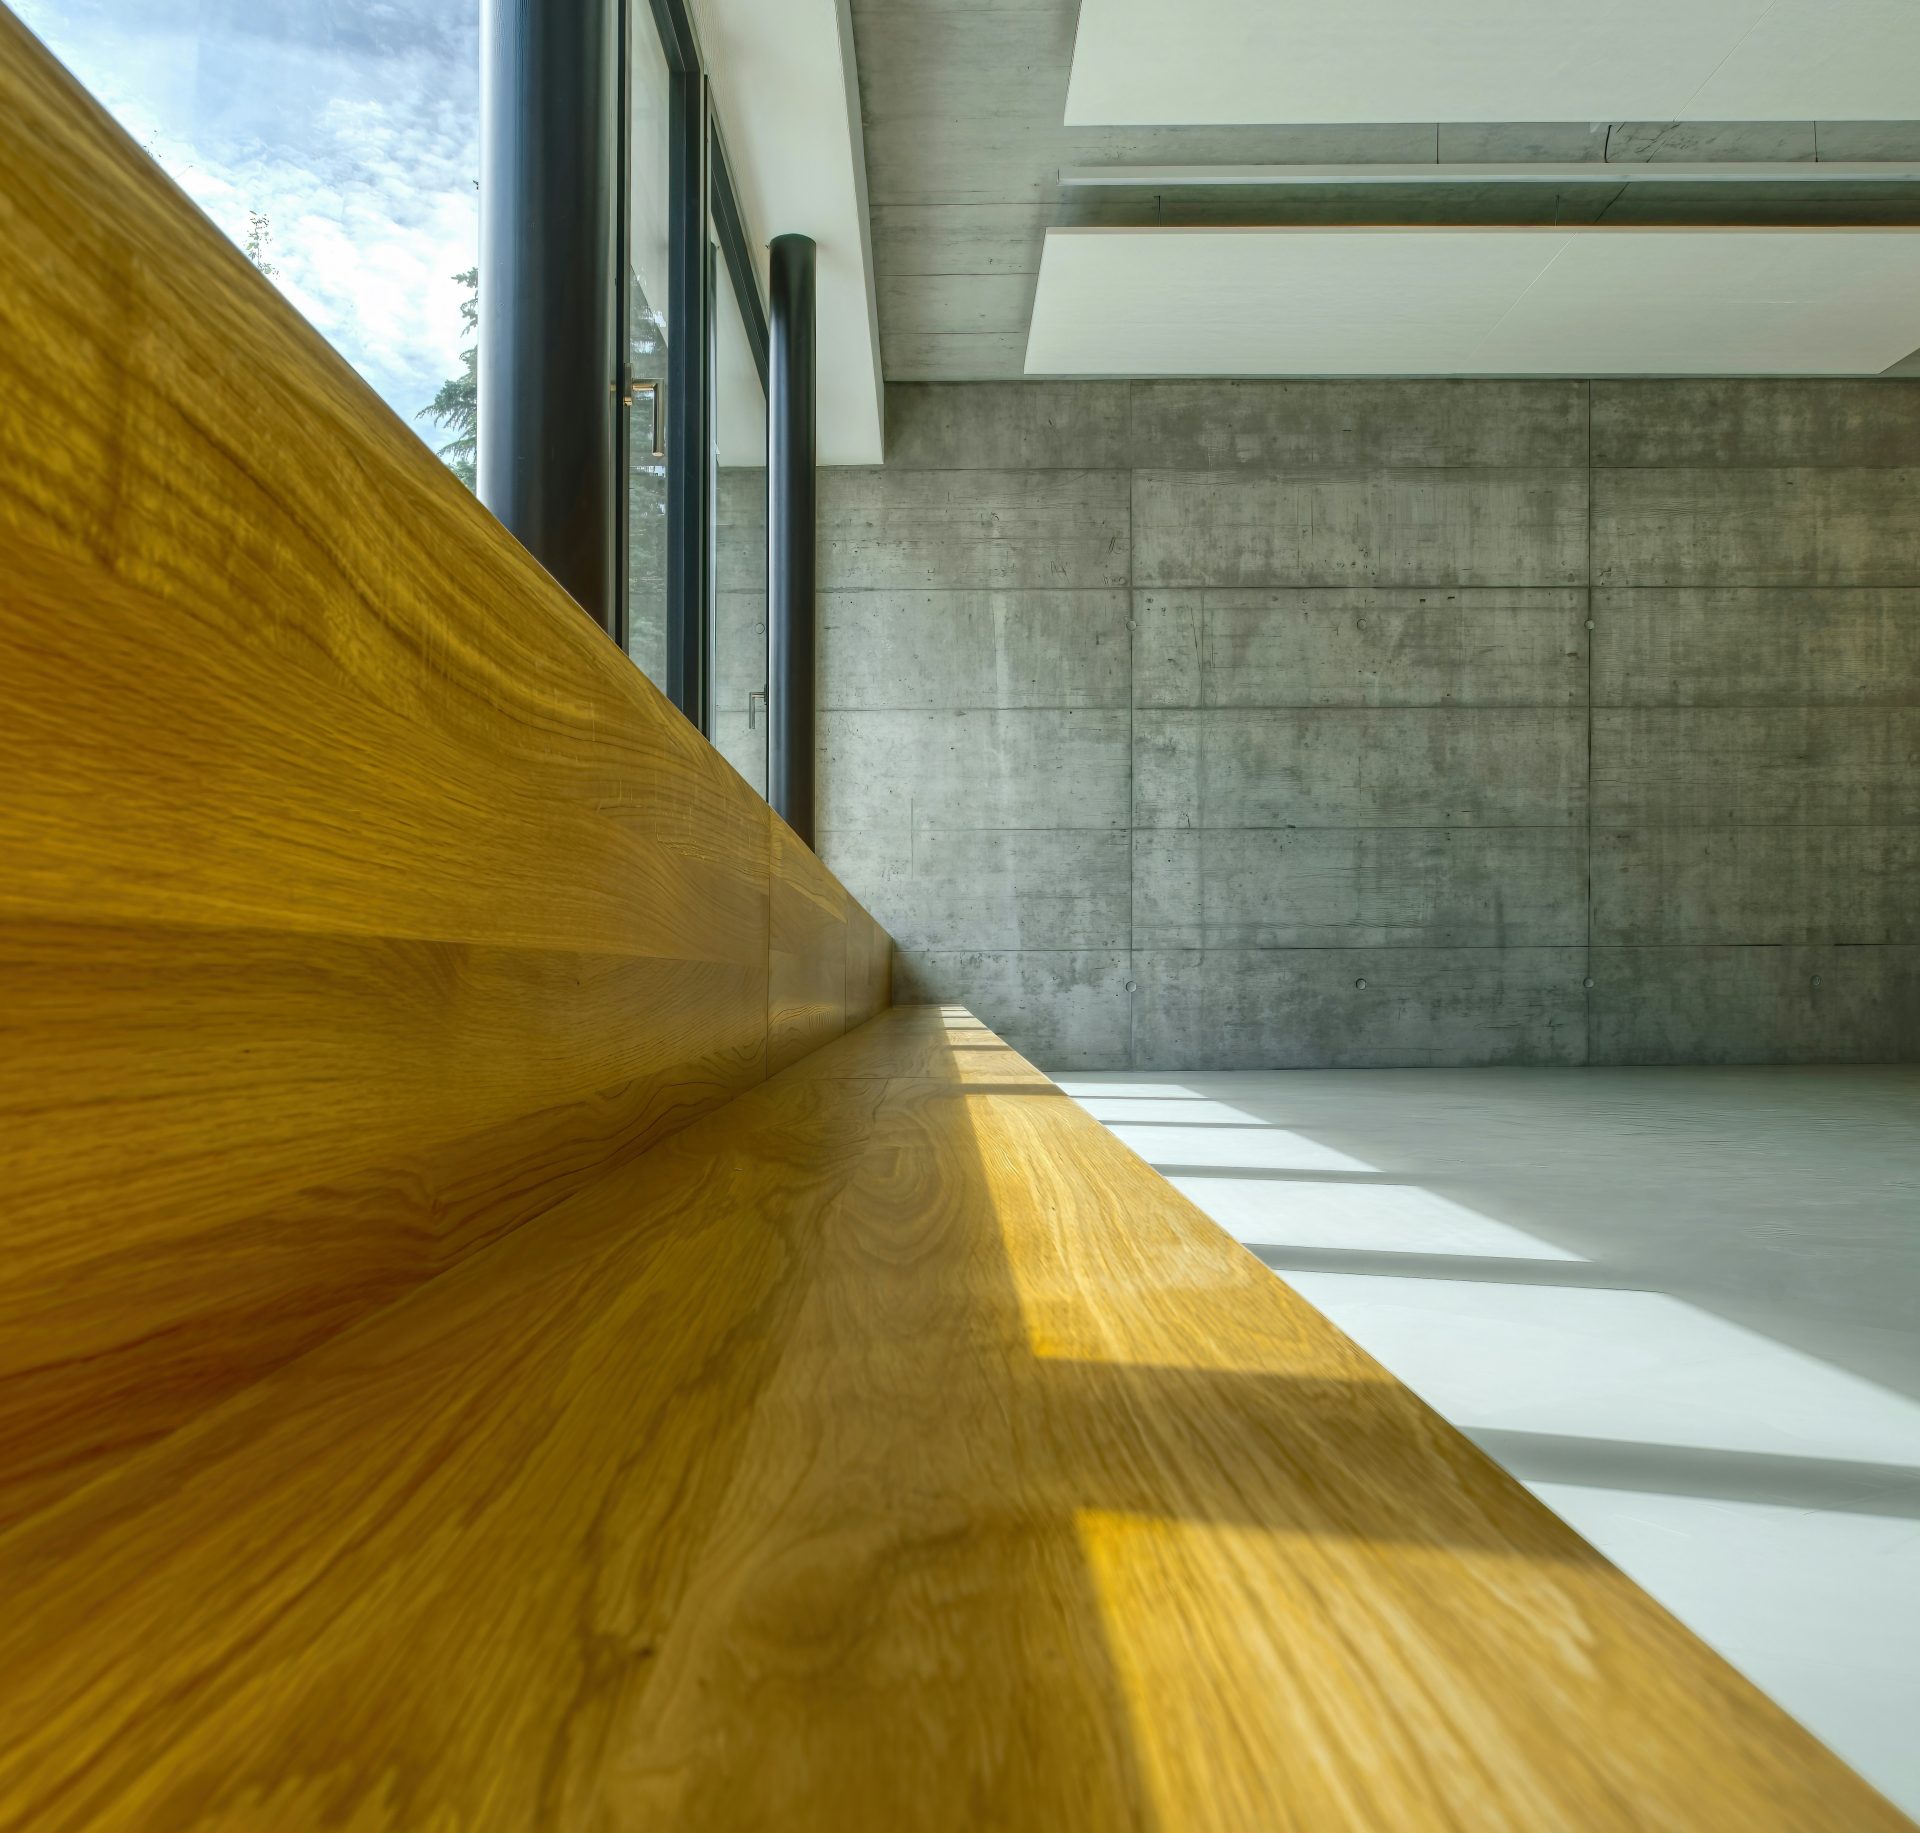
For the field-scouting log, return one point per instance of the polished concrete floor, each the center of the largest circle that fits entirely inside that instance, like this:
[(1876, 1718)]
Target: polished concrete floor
[(1681, 1305)]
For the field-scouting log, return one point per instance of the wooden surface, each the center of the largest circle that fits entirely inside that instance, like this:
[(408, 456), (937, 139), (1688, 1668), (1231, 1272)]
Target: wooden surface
[(807, 953), (829, 964), (358, 899), (869, 967), (887, 1449)]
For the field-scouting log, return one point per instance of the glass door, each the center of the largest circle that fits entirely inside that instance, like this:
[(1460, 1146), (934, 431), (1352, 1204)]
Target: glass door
[(648, 257), (738, 567)]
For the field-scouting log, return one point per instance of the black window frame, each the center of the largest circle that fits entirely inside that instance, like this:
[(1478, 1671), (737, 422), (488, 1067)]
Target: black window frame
[(730, 228), (700, 190)]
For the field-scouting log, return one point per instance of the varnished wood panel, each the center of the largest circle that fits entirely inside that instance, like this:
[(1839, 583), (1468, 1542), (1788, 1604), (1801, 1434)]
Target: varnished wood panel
[(880, 989), (358, 899), (808, 950), (869, 966), (222, 1144), (856, 956), (923, 1043), (925, 1461)]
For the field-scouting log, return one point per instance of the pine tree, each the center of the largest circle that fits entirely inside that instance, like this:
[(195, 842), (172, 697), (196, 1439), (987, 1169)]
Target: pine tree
[(456, 408), (259, 239)]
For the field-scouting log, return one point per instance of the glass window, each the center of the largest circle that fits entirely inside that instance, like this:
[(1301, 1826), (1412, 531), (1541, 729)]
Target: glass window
[(739, 555), (649, 149), (337, 144)]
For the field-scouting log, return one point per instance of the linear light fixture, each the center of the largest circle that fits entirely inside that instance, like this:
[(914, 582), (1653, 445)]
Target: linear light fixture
[(1456, 300)]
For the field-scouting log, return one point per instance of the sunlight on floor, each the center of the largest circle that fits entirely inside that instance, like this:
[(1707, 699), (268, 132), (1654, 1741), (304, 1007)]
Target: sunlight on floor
[(1765, 1493), (1372, 1218)]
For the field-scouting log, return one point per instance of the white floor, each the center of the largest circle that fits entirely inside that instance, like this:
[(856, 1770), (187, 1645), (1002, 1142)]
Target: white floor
[(1683, 1306)]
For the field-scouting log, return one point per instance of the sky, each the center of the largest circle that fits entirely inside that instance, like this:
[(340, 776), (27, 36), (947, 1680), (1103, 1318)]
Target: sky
[(352, 125)]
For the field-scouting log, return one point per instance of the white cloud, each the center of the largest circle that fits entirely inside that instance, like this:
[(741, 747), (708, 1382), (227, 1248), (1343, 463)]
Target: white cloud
[(352, 128)]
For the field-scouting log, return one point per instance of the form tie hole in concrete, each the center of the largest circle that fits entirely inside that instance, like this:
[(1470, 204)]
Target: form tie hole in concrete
[(1361, 984), (1588, 981), (1815, 980)]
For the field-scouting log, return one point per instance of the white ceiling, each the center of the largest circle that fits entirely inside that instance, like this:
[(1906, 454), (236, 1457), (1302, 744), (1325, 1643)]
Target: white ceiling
[(1442, 301), (1167, 62), (785, 92)]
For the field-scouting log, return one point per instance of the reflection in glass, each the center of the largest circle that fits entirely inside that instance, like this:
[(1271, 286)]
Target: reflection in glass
[(337, 144), (739, 569), (648, 244)]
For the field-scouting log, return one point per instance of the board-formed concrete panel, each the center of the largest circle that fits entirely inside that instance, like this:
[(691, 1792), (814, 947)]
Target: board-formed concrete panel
[(1347, 767), (1068, 1007), (1361, 1008), (992, 889), (972, 528), (1811, 525), (889, 648), (1024, 768), (1759, 886), (1358, 887), (1459, 527), (1757, 646), (1345, 425), (1768, 423), (1755, 766), (1332, 646), (1755, 1005), (1013, 426)]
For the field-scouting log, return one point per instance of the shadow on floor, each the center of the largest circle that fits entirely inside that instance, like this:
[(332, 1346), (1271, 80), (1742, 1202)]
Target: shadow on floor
[(1766, 1477)]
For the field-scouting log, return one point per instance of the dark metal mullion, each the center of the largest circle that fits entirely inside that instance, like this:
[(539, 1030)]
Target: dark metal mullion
[(623, 329), (790, 534), (687, 434), (713, 483), (675, 25), (731, 228), (550, 196)]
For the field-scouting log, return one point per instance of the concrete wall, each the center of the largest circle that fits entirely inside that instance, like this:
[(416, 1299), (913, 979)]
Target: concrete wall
[(1177, 724)]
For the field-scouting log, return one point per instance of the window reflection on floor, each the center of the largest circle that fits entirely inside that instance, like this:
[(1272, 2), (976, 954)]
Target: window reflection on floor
[(1671, 1302)]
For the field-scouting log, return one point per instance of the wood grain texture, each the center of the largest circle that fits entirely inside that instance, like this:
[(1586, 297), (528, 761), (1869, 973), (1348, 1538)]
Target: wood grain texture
[(924, 1460), (809, 945), (360, 901), (869, 967)]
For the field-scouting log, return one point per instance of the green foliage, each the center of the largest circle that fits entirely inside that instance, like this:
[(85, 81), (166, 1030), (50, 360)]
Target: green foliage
[(456, 408), (259, 240)]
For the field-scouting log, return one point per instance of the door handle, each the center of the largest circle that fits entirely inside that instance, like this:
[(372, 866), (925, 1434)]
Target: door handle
[(654, 391)]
